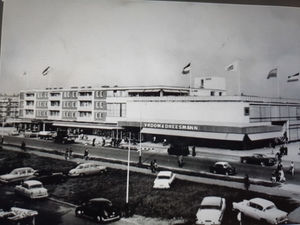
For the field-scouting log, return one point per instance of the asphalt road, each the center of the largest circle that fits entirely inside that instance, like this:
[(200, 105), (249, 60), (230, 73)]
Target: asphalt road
[(201, 162)]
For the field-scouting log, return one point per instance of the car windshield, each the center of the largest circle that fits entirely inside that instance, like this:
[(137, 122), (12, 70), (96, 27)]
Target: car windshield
[(210, 207), (271, 207), (35, 186), (163, 177)]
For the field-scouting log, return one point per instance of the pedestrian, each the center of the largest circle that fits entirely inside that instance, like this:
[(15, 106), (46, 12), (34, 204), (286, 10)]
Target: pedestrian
[(292, 168), (67, 154), (282, 177), (153, 166), (180, 161), (71, 153), (94, 141), (246, 182), (194, 151), (86, 154), (23, 146)]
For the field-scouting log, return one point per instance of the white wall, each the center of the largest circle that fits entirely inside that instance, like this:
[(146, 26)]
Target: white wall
[(188, 111)]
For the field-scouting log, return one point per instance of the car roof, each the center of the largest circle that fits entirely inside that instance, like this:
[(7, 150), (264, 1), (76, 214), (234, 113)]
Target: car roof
[(222, 163), (32, 182), (89, 163), (23, 168), (99, 200), (211, 200), (260, 201), (164, 173)]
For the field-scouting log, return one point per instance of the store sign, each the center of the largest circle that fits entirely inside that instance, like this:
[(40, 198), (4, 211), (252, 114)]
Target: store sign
[(172, 126)]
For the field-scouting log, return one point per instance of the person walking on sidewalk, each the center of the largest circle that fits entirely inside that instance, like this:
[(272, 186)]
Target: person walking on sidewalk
[(86, 154), (23, 146), (246, 182), (292, 168)]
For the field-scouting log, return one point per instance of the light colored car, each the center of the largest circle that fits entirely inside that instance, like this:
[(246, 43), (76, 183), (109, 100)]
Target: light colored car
[(211, 210), (31, 189), (262, 210), (17, 174), (13, 133), (85, 169), (164, 180)]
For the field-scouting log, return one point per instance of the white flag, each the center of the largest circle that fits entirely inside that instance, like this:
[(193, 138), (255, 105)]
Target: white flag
[(232, 67)]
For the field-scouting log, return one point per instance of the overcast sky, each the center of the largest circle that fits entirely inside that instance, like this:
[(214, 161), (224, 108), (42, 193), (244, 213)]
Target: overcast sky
[(133, 43)]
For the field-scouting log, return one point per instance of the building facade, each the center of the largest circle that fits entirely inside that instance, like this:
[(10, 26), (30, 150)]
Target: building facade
[(9, 108), (197, 115)]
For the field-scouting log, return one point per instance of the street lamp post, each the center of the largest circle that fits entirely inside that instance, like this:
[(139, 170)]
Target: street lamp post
[(2, 139)]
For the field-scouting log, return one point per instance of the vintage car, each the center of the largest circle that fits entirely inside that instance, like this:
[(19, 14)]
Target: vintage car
[(85, 169), (17, 215), (179, 150), (13, 133), (46, 135), (261, 209), (164, 180), (211, 211), (99, 209), (16, 175), (223, 168), (48, 177), (31, 189), (259, 159)]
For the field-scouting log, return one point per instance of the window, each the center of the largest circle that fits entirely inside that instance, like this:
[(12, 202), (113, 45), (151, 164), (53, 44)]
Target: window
[(246, 111), (212, 93)]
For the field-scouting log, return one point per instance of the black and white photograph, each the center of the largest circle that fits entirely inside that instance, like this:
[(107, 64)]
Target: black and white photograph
[(143, 112)]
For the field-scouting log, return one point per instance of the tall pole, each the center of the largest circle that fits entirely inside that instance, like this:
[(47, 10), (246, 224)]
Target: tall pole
[(2, 129), (190, 78), (239, 76), (127, 183), (140, 150), (277, 82)]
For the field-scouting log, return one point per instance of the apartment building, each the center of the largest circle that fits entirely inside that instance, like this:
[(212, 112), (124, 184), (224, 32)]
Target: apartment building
[(9, 107)]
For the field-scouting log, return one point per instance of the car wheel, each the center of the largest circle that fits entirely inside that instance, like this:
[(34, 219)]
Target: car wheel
[(262, 163), (98, 219), (82, 175), (263, 221), (244, 160)]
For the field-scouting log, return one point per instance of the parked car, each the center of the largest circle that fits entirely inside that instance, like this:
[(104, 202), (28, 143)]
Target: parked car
[(46, 135), (223, 168), (85, 169), (260, 159), (261, 209), (211, 211), (32, 189), (164, 180), (179, 150), (17, 174), (99, 209), (16, 215), (48, 177), (13, 133), (31, 134)]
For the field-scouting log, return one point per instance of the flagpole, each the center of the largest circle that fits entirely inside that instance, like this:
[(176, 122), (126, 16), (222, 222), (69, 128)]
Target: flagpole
[(278, 83), (239, 78), (191, 79)]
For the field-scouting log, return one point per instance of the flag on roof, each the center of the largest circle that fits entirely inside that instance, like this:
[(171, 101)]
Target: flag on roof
[(232, 67), (272, 73), (293, 78), (186, 69), (46, 71)]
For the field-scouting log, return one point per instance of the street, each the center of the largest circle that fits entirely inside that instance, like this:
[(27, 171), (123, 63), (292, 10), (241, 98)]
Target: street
[(200, 163)]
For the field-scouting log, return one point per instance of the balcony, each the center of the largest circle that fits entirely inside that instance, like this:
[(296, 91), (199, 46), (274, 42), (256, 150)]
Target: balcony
[(54, 107), (55, 97), (85, 97), (85, 119), (54, 117)]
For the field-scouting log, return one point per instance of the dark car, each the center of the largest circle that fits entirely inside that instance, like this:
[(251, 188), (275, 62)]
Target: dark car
[(99, 209), (48, 177), (259, 159), (179, 150), (223, 168)]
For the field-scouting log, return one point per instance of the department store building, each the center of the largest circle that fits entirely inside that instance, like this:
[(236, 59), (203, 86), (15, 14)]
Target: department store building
[(202, 115)]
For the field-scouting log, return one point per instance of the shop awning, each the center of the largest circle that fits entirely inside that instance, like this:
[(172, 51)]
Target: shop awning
[(262, 136), (93, 126), (195, 134)]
